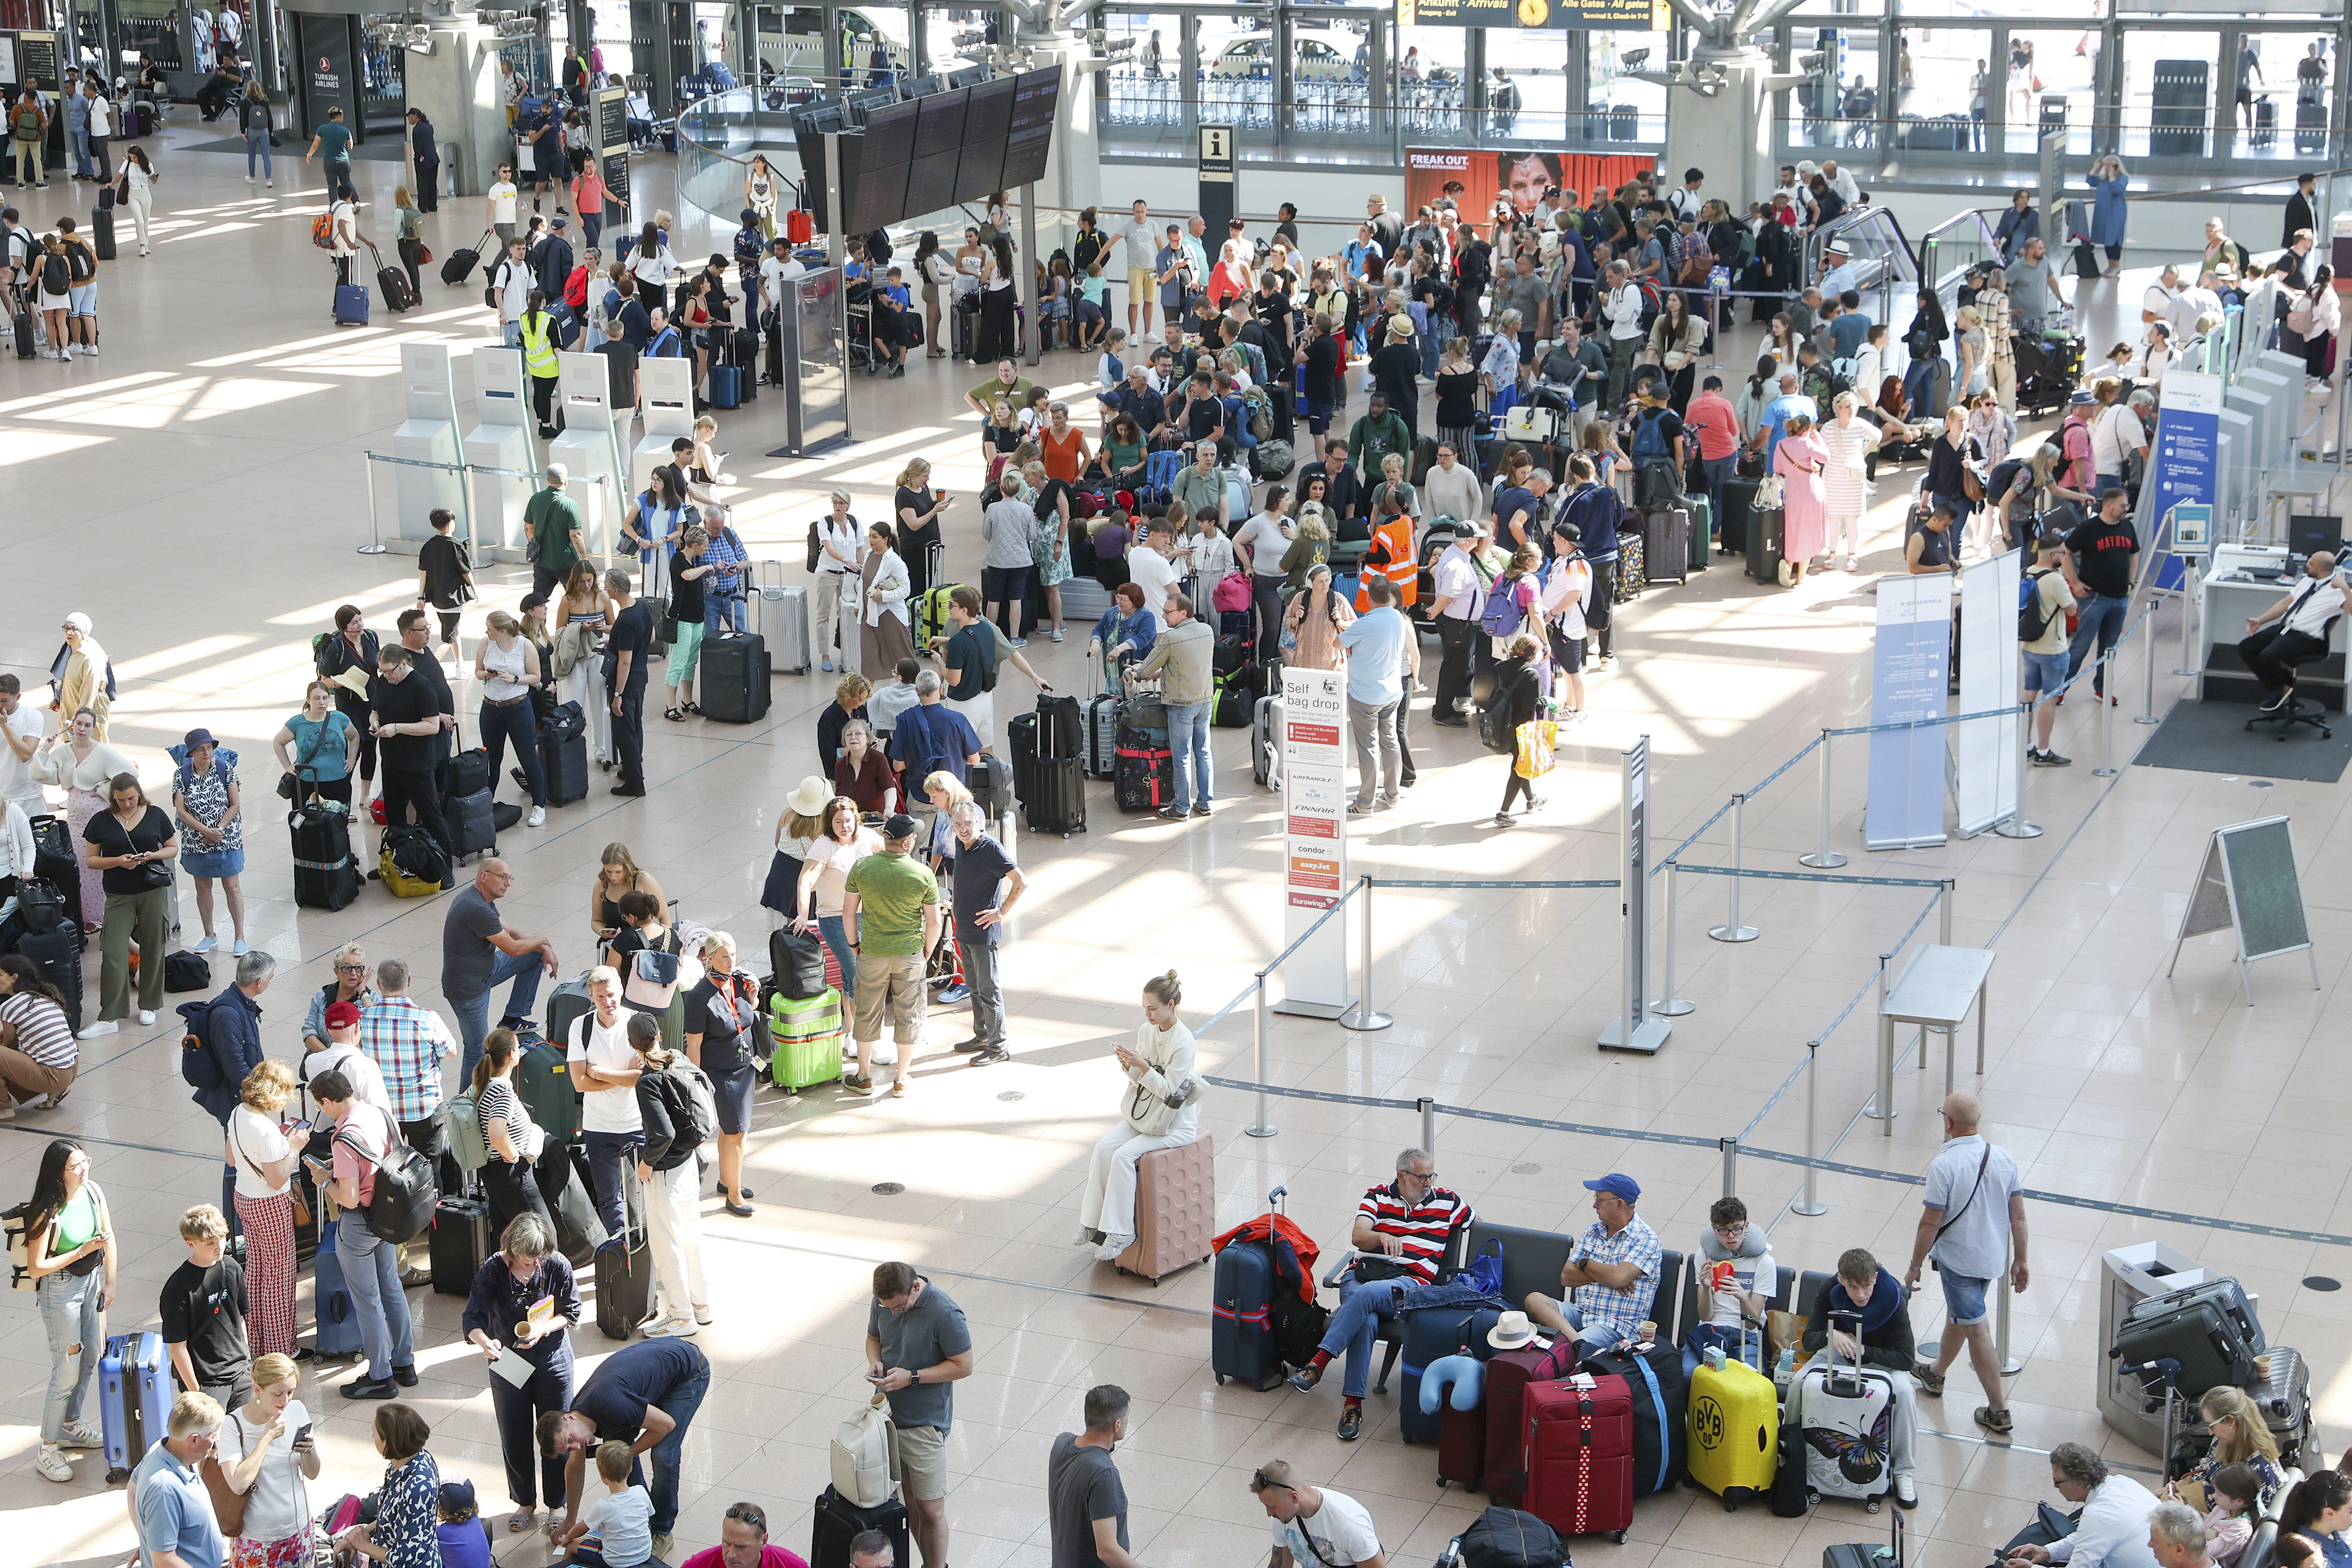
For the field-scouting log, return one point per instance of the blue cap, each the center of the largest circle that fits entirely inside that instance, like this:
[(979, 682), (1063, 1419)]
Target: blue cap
[(1617, 1184)]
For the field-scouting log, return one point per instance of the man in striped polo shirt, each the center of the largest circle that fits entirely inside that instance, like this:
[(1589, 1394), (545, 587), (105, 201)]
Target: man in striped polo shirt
[(1402, 1232)]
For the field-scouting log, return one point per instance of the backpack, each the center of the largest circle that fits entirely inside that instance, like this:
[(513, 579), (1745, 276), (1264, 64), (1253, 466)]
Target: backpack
[(461, 1129), (1494, 730), (2075, 436), (1504, 615), (57, 277), (197, 1068), (322, 230), (694, 1111), (405, 1188), (1649, 438), (651, 978), (2004, 475), (1261, 413), (2031, 623), (29, 120)]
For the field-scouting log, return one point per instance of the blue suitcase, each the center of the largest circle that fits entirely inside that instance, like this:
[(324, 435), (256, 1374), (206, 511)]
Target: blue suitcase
[(1241, 1331), (134, 1397), (338, 1325), (351, 305), (726, 386), (1432, 1333)]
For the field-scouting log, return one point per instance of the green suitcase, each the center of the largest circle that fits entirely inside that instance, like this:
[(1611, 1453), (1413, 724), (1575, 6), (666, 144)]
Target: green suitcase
[(806, 1039), (1702, 524)]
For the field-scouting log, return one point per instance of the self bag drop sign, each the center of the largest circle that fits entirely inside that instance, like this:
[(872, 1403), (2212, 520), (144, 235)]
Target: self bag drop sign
[(1315, 835)]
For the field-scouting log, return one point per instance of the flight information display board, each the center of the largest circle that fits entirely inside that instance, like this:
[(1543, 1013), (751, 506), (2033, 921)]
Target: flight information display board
[(1036, 97)]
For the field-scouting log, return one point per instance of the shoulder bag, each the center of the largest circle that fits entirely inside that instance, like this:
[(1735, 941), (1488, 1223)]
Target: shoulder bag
[(228, 1503), (286, 782), (1954, 1217)]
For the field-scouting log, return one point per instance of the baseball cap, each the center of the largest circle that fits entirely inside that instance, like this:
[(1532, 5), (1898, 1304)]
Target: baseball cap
[(342, 1015), (457, 1497), (1618, 1184), (898, 826)]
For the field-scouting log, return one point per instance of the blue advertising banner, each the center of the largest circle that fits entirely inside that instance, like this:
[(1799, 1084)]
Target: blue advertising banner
[(2187, 451), (1910, 669)]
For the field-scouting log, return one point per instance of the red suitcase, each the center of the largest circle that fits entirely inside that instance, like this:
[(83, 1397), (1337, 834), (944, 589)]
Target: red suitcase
[(1461, 1444), (1508, 1374), (1581, 1457)]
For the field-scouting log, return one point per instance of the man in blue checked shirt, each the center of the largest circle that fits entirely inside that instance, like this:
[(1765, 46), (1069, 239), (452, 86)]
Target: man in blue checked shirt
[(408, 1043), (1612, 1274), (722, 592)]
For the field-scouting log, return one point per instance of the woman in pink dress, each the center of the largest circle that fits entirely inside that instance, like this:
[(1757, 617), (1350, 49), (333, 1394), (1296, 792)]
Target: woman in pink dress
[(1800, 460)]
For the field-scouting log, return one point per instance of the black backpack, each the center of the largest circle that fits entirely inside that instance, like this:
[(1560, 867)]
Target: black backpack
[(405, 1188), (1506, 1538), (56, 277), (2031, 623)]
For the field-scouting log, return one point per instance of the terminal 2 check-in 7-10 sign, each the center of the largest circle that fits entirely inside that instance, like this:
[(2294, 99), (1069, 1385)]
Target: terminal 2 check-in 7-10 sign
[(1555, 15)]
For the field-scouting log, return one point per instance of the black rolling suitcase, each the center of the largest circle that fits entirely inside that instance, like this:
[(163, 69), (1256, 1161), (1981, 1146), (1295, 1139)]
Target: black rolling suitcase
[(473, 823), (55, 863), (2209, 1329), (839, 1521), (394, 283), (101, 227), (2265, 122), (57, 955), (1052, 789), (1667, 544), (1864, 1555), (1763, 542), (735, 672), (461, 1240), (563, 754), (325, 875), (2310, 129), (747, 358), (1624, 124), (455, 269), (624, 1268), (26, 347)]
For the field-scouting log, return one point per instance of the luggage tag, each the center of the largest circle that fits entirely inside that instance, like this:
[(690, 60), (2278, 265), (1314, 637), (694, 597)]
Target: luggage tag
[(1582, 1382)]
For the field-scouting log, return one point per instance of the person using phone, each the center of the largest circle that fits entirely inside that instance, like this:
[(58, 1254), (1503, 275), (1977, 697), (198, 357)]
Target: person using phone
[(268, 1451), (70, 1257)]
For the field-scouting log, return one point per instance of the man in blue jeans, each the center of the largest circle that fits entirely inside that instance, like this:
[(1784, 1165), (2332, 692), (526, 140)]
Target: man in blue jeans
[(604, 1065), (643, 1395), (479, 952), (1184, 658), (2100, 573), (1403, 1231)]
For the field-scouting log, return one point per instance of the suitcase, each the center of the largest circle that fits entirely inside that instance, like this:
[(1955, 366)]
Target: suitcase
[(26, 349), (806, 1038), (1862, 1554), (473, 825), (394, 284), (1052, 789), (2209, 1329), (745, 357), (351, 305), (1735, 1430), (1462, 1433), (1145, 779), (337, 1327), (1175, 1209), (2311, 128), (1763, 543), (796, 964), (460, 263), (102, 225), (778, 615), (1623, 123), (325, 875), (2283, 1397), (460, 1240), (1667, 545), (1661, 1398), (992, 786), (726, 386), (567, 1004), (1702, 529), (579, 1229), (839, 1521), (1100, 745), (1241, 1326), (134, 1401), (564, 763), (1508, 1374), (1739, 503), (2265, 122), (625, 1271), (1580, 1447), (1841, 1416), (1265, 742), (735, 677), (1061, 727), (57, 955), (1430, 1333)]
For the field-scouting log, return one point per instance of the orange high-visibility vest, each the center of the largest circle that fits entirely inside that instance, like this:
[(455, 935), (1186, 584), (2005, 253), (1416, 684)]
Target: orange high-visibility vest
[(1391, 557)]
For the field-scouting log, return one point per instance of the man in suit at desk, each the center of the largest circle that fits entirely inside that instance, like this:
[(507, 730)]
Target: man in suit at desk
[(2302, 615)]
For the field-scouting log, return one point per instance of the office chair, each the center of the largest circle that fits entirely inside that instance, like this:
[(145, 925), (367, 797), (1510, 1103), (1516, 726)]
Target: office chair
[(2297, 710)]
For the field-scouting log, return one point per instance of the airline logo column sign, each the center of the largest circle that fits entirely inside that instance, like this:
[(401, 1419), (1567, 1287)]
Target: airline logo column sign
[(1314, 840), (1561, 15)]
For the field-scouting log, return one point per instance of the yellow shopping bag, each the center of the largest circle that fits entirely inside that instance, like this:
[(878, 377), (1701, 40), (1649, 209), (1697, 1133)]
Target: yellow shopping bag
[(1538, 739)]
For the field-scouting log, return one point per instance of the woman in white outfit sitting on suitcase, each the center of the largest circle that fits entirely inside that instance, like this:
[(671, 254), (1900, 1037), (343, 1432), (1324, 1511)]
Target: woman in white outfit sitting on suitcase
[(1160, 1110)]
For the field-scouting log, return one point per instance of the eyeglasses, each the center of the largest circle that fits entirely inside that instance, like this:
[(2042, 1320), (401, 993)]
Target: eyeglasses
[(350, 968)]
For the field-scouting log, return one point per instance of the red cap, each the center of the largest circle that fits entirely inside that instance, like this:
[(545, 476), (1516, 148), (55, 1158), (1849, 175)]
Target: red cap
[(342, 1015)]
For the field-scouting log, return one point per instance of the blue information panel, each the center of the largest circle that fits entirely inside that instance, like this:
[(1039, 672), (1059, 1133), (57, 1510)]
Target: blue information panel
[(1910, 667), (2185, 455)]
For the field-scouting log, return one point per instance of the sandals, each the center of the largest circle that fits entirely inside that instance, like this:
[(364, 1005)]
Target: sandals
[(522, 1519), (674, 716), (691, 709)]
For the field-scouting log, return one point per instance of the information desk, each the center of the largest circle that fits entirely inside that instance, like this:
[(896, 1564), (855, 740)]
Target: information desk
[(2242, 581)]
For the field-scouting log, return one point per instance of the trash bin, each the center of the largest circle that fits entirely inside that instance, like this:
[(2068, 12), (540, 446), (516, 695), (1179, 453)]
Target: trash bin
[(2130, 1275)]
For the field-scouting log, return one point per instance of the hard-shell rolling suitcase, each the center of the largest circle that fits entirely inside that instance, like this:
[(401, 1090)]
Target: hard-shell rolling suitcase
[(1735, 1431), (735, 677), (1842, 1416), (1265, 742), (134, 1400), (779, 613), (1175, 1209), (1702, 526), (1241, 1324), (1462, 1433), (567, 1004), (804, 1037), (460, 1240), (1764, 536), (1739, 503), (1866, 1554), (102, 226), (2265, 122), (2285, 1400), (726, 386), (351, 305), (473, 827), (1579, 1440), (334, 1319), (745, 355), (839, 1521), (1667, 544), (23, 326), (625, 1271), (325, 875), (1052, 789), (2310, 129), (1661, 1397), (1430, 1333), (2209, 1329), (1099, 749)]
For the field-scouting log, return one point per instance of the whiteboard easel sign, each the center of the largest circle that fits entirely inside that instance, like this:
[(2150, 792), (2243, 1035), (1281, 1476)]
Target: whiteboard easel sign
[(1314, 840)]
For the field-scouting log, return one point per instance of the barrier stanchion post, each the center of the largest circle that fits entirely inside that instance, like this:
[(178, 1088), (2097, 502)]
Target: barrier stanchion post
[(2016, 826), (2148, 668), (1811, 1203), (376, 536), (1732, 930), (1429, 1125), (1261, 1127), (1824, 858), (1943, 911), (2107, 701), (1730, 1148), (2009, 1365), (1670, 1005), (1362, 1016), (1882, 1103)]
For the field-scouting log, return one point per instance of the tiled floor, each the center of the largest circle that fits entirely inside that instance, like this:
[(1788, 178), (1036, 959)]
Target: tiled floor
[(197, 491)]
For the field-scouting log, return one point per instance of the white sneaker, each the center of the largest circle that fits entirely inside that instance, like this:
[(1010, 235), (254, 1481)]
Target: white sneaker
[(1906, 1492), (1112, 1247), (52, 1464), (90, 348), (268, 184), (1851, 564), (538, 818), (884, 1056), (146, 1017), (97, 1031), (1084, 1235), (83, 1438), (248, 179), (67, 352)]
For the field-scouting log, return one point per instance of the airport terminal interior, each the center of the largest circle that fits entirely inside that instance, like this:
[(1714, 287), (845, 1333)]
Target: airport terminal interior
[(204, 489)]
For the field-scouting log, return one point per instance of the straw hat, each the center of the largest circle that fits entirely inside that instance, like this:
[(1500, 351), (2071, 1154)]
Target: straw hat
[(1512, 1332), (808, 798)]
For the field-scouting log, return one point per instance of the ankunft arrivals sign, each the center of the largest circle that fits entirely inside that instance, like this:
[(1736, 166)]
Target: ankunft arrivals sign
[(1552, 16)]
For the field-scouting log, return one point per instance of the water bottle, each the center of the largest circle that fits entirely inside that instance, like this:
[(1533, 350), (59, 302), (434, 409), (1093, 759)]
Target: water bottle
[(1788, 1363)]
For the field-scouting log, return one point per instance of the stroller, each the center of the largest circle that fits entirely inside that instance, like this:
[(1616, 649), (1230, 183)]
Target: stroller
[(2048, 370)]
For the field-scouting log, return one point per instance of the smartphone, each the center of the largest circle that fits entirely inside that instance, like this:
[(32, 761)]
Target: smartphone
[(303, 1436)]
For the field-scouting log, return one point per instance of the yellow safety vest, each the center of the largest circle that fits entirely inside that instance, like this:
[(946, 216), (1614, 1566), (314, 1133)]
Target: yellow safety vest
[(538, 346)]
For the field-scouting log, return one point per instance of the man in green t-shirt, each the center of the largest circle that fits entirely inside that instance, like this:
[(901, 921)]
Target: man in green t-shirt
[(1008, 383), (900, 900), (553, 518)]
